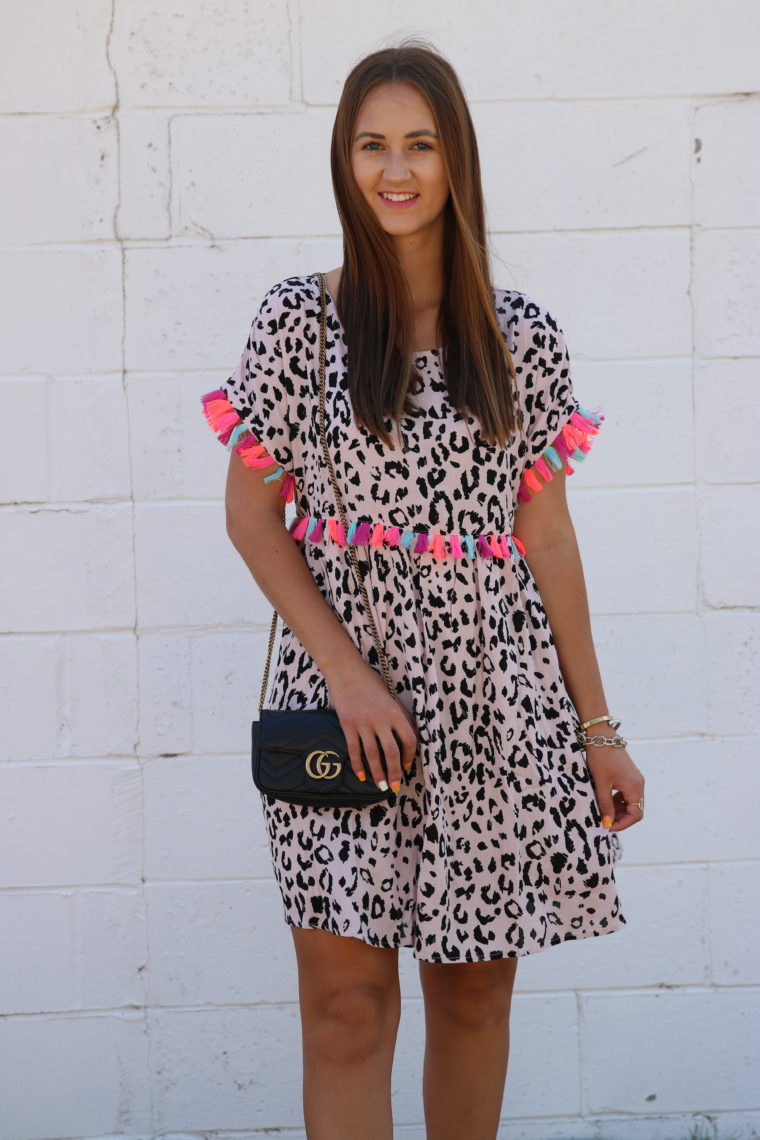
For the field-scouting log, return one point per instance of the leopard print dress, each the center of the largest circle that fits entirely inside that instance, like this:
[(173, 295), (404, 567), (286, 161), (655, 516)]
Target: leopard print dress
[(493, 846)]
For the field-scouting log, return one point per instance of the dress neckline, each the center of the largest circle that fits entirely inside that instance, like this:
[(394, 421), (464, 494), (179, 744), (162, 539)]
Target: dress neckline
[(417, 352)]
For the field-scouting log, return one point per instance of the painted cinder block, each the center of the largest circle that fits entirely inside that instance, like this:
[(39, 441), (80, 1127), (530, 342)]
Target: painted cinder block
[(647, 434), (733, 638), (235, 1068), (89, 439), (75, 323), (730, 545), (650, 49), (651, 566), (24, 470), (695, 1051), (177, 586), (727, 292), (219, 944), (726, 432), (100, 703), (71, 950), (39, 209), (56, 60), (166, 712), (653, 669), (72, 569), (145, 175), (71, 824), (72, 1077), (29, 684), (603, 289), (175, 58), (635, 155), (204, 820), (726, 163), (734, 924)]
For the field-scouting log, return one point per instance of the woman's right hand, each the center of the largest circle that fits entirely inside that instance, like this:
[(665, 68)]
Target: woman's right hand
[(368, 714)]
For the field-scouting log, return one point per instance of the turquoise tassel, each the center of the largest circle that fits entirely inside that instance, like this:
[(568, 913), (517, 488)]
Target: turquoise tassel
[(236, 434), (351, 531), (551, 456), (275, 475), (408, 538), (313, 524), (470, 545)]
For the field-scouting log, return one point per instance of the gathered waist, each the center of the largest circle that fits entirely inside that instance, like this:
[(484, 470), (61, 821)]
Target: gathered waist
[(438, 544)]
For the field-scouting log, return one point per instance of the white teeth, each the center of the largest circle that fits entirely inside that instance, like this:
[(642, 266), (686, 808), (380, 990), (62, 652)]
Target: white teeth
[(399, 197)]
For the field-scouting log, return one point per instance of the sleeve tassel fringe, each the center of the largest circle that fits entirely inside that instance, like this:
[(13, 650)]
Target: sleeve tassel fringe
[(572, 443), (234, 433)]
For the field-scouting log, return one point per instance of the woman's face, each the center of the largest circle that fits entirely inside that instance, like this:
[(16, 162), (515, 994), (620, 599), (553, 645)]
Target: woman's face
[(385, 159)]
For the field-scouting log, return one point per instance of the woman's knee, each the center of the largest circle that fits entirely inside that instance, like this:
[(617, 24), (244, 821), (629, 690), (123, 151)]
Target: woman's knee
[(349, 996), (472, 994)]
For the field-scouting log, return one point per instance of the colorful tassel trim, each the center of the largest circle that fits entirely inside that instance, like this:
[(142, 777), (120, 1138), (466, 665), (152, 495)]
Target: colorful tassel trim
[(311, 529), (572, 443), (232, 432)]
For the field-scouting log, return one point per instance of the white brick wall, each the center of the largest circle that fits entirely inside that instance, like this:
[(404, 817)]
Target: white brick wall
[(153, 190)]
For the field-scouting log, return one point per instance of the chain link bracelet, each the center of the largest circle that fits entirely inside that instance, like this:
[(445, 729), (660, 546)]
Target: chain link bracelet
[(601, 741)]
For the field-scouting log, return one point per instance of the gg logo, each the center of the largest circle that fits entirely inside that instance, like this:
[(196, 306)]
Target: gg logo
[(319, 768)]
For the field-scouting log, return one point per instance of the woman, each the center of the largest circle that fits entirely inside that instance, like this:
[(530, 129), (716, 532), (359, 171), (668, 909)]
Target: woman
[(450, 419)]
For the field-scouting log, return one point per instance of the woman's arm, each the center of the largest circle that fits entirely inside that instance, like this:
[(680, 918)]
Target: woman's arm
[(357, 691), (545, 528)]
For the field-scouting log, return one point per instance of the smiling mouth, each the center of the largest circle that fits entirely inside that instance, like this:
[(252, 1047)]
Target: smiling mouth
[(405, 201)]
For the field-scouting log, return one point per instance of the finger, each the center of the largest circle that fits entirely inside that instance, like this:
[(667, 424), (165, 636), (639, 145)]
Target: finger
[(354, 753), (372, 759), (606, 806), (392, 757)]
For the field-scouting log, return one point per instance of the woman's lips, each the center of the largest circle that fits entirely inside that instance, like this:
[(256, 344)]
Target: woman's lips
[(399, 205)]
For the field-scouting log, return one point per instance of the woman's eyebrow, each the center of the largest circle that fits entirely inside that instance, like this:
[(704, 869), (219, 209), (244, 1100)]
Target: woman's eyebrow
[(410, 135)]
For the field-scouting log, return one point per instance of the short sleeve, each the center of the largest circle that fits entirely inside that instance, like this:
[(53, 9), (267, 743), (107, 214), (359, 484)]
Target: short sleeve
[(558, 430), (251, 410)]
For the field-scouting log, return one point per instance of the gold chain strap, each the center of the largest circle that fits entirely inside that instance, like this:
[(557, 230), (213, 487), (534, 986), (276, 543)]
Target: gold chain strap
[(341, 510)]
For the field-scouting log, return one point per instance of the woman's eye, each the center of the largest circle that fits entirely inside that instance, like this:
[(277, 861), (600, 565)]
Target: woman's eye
[(374, 143)]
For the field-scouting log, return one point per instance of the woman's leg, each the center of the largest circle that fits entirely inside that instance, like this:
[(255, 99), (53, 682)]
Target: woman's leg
[(350, 1008), (467, 1006)]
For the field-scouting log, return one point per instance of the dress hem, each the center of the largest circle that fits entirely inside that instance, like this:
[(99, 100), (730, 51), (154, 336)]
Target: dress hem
[(467, 957)]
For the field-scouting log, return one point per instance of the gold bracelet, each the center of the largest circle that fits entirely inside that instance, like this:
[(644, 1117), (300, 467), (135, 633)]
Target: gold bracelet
[(615, 724)]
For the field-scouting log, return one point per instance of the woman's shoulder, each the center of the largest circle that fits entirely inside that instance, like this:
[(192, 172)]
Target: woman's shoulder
[(293, 293), (519, 308)]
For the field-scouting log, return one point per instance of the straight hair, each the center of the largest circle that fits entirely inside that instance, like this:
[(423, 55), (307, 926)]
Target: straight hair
[(374, 301)]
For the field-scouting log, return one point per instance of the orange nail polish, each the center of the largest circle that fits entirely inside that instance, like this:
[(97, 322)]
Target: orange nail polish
[(606, 821), (362, 775), (395, 786)]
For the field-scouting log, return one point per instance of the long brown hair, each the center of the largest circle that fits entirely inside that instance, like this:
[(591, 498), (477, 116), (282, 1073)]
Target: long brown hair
[(374, 301)]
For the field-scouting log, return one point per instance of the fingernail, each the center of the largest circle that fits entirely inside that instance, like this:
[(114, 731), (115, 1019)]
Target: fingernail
[(382, 786), (396, 786), (361, 775), (606, 821)]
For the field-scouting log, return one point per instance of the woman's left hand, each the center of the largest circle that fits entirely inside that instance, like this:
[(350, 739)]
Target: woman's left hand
[(613, 768)]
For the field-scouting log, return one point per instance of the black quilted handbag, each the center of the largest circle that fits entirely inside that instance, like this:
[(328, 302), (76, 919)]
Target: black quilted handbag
[(301, 755)]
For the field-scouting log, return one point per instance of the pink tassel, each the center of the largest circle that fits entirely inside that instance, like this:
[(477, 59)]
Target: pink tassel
[(522, 494), (316, 534), (543, 469), (378, 532), (456, 548), (484, 547), (362, 533), (217, 394), (420, 545), (286, 491), (505, 546), (519, 546), (301, 526), (392, 536), (437, 547), (494, 544)]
